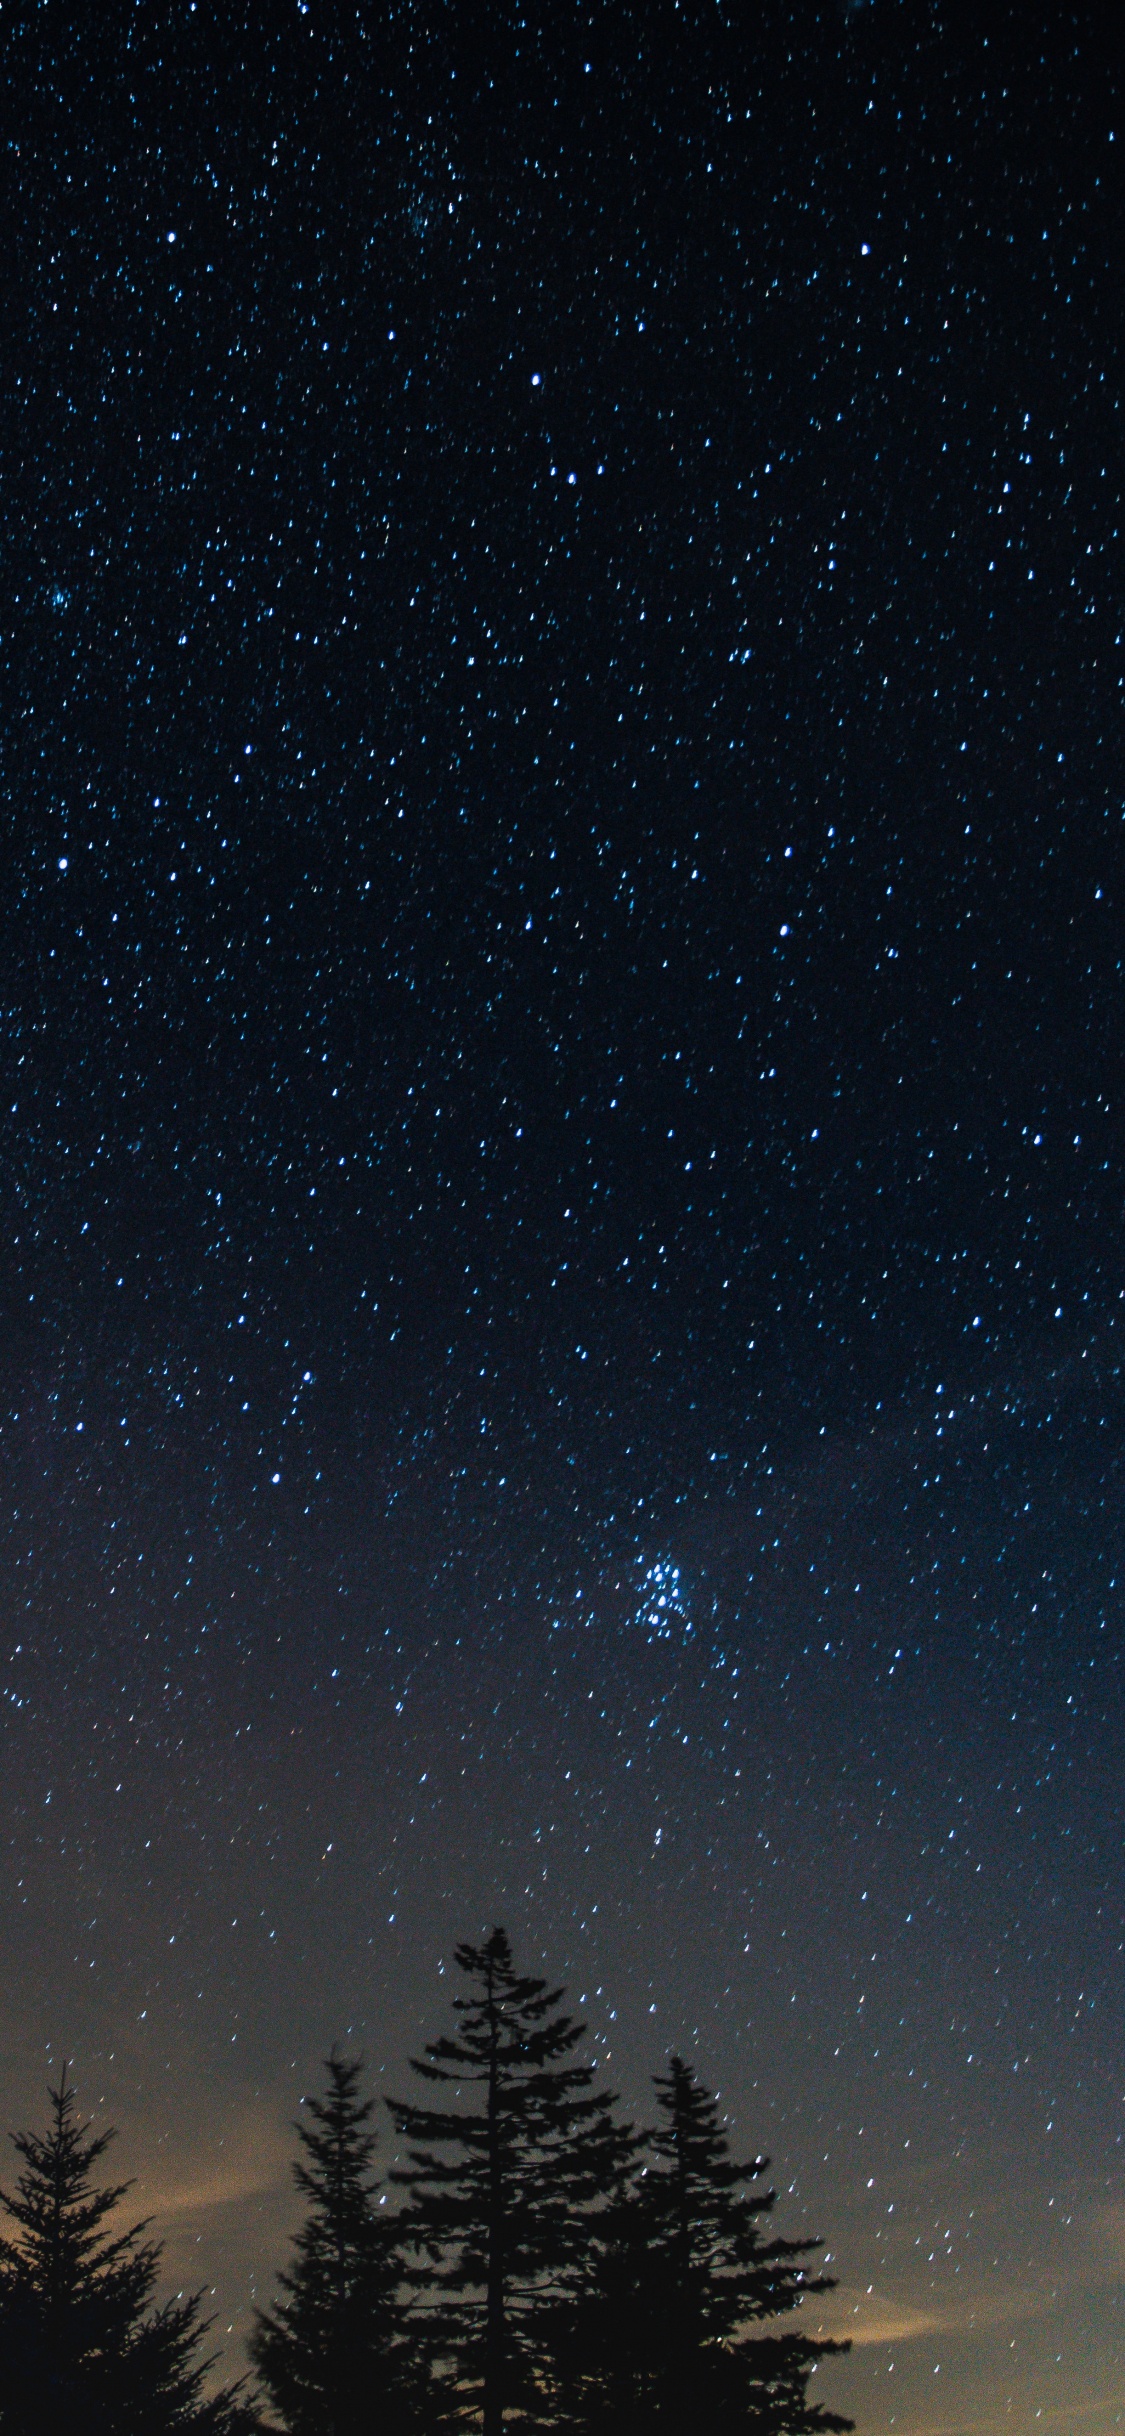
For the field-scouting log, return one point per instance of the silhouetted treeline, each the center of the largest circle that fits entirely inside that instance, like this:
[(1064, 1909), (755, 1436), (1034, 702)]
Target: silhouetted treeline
[(542, 2266)]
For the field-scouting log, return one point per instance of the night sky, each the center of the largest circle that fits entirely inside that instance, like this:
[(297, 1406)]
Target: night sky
[(563, 1086)]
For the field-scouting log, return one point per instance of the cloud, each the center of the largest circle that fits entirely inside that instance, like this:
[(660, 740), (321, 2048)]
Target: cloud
[(222, 2208), (249, 2160), (863, 2318)]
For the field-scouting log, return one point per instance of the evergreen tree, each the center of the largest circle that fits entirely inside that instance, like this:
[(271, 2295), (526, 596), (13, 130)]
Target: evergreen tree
[(716, 2274), (499, 2189), (82, 2350), (332, 2354), (662, 2339)]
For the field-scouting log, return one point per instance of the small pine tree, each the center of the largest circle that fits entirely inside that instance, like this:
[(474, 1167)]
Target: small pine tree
[(498, 2193), (331, 2354), (716, 2275), (82, 2350)]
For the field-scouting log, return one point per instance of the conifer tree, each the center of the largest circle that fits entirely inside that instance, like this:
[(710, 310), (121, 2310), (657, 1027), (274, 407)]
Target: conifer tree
[(498, 2189), (716, 2275), (332, 2354), (83, 2352), (662, 2337)]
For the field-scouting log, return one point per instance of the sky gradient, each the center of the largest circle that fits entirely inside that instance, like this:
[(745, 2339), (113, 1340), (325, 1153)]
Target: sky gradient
[(561, 1007)]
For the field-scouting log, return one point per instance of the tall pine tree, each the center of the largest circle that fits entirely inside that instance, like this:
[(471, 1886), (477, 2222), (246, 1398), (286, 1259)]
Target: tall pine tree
[(498, 2188), (332, 2354), (83, 2352)]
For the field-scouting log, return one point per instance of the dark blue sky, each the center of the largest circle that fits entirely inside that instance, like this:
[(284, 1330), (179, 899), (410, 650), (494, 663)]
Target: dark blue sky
[(561, 1010)]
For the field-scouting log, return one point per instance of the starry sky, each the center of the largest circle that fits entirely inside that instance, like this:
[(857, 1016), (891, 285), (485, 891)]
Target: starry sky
[(563, 1286)]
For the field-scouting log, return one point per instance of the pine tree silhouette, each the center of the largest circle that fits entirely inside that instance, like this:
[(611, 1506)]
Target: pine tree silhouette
[(498, 2191), (332, 2354), (82, 2350), (716, 2274), (661, 2338)]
